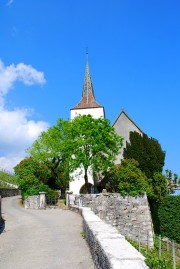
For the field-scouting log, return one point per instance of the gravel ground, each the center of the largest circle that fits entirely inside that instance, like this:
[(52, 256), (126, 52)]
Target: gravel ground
[(42, 239)]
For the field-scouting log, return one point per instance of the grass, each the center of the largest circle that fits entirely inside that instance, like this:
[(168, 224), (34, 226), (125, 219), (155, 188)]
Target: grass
[(152, 257), (83, 235), (6, 177)]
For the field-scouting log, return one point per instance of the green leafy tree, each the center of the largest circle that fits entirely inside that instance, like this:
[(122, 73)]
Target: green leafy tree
[(93, 144), (81, 143), (127, 179), (29, 166), (147, 151), (173, 181), (32, 177), (52, 150)]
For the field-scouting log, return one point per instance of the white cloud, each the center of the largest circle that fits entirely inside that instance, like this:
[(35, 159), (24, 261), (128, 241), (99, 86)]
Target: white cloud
[(17, 132), (20, 72)]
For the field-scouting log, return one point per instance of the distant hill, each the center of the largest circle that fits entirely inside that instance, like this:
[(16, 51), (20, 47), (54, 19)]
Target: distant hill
[(7, 180)]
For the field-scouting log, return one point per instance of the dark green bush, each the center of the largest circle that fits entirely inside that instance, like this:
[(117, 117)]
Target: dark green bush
[(32, 186), (169, 216)]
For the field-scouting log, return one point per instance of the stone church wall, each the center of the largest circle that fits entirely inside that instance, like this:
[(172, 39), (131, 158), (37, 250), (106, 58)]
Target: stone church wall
[(123, 126), (130, 215)]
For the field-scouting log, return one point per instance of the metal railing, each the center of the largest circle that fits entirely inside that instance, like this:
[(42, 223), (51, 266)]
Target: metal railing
[(52, 200)]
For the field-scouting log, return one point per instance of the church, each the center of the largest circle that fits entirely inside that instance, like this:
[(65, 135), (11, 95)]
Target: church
[(89, 106)]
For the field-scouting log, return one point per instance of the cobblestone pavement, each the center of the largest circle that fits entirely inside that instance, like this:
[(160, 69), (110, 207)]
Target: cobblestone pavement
[(42, 239)]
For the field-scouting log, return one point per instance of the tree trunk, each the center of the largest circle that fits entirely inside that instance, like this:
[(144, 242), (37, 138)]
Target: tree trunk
[(86, 177)]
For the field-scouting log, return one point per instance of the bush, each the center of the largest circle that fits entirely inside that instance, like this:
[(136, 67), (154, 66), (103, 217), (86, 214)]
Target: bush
[(169, 216), (32, 186), (128, 179)]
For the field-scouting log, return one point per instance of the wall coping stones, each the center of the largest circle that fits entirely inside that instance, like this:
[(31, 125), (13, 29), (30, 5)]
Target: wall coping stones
[(114, 252)]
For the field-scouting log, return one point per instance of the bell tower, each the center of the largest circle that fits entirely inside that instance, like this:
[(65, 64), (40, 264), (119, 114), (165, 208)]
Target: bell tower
[(88, 103), (87, 106)]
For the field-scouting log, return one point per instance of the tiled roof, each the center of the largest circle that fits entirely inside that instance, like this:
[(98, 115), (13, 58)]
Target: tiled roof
[(88, 99)]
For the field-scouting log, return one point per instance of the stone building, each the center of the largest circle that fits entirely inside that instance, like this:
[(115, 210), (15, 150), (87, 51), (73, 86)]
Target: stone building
[(123, 126), (88, 105)]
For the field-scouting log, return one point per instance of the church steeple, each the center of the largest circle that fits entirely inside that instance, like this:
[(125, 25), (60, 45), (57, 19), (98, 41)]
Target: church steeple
[(88, 99)]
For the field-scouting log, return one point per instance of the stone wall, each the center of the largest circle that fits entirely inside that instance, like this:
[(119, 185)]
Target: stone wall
[(8, 192), (36, 201), (32, 202), (108, 247), (130, 215)]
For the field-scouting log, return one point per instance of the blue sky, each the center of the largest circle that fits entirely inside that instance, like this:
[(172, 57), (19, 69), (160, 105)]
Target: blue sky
[(134, 58)]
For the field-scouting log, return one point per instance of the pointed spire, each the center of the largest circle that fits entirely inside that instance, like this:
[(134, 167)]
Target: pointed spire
[(88, 99), (88, 87)]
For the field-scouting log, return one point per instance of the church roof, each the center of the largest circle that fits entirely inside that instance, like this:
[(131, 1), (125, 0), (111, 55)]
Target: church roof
[(88, 99), (125, 114)]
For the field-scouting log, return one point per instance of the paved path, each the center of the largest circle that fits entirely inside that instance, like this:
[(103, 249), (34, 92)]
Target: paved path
[(42, 239)]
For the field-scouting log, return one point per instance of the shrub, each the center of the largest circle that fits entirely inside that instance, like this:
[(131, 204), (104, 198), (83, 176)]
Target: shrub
[(169, 216), (128, 179), (32, 186)]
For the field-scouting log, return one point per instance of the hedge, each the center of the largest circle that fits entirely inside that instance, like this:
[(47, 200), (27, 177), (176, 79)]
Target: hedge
[(169, 216)]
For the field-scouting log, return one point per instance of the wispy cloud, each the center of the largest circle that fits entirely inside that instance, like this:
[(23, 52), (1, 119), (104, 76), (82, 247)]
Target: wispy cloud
[(17, 131), (10, 2)]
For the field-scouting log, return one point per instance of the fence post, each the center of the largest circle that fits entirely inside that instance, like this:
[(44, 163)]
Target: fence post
[(42, 200), (159, 253), (67, 199), (147, 242), (173, 254), (139, 241)]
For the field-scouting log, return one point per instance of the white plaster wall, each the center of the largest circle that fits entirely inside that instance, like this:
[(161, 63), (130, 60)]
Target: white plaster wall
[(78, 180), (94, 112), (123, 127)]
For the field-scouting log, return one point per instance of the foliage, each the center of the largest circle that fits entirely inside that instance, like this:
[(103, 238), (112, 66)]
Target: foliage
[(32, 186), (92, 143), (29, 166), (152, 256), (7, 178), (128, 179), (159, 187), (147, 151), (84, 142), (32, 177), (169, 216), (52, 150), (172, 180), (159, 192)]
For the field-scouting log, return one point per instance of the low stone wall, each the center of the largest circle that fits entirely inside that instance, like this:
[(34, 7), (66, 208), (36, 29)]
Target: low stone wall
[(130, 215), (8, 192), (32, 202), (36, 201), (108, 247)]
